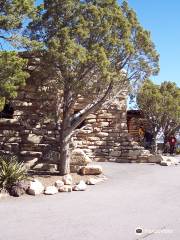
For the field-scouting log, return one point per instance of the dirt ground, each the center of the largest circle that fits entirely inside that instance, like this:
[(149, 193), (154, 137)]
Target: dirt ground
[(49, 179)]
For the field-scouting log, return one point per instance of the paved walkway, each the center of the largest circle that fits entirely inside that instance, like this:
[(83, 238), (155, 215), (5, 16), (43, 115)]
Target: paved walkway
[(136, 195)]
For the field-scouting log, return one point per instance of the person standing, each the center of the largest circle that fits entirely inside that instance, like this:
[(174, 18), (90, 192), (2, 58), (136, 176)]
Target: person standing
[(148, 140), (172, 143)]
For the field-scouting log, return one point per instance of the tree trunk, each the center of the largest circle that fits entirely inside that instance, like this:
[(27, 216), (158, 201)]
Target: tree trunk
[(65, 135), (64, 164), (69, 124)]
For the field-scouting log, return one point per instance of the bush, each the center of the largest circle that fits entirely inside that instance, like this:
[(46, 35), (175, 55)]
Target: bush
[(11, 172)]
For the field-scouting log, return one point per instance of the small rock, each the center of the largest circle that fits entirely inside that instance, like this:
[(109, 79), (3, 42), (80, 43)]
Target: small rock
[(18, 189), (92, 181), (81, 186), (51, 190), (59, 184), (35, 187), (65, 188), (67, 179), (165, 163), (3, 194), (91, 170)]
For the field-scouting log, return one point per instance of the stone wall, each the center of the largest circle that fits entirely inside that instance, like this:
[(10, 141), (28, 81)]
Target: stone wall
[(33, 135), (106, 138)]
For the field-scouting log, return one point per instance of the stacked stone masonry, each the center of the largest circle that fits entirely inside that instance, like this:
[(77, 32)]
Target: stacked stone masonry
[(33, 135), (136, 119)]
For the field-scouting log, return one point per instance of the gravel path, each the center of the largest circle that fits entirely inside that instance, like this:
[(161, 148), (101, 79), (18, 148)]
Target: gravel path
[(136, 195)]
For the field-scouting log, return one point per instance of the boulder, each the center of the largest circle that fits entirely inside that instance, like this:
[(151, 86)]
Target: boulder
[(81, 186), (91, 170), (58, 184), (67, 179), (78, 157), (18, 189), (35, 188), (65, 188), (51, 190)]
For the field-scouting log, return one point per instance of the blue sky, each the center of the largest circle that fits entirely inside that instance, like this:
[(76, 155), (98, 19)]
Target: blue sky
[(162, 19)]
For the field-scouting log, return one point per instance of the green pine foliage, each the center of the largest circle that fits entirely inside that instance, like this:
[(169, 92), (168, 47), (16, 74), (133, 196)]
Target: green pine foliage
[(13, 14), (161, 106), (89, 43), (12, 75)]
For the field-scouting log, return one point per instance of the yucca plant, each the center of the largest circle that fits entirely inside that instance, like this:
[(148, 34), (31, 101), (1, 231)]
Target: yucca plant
[(11, 172)]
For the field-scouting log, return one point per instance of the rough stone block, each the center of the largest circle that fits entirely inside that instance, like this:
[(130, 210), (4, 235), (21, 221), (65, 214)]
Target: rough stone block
[(91, 170), (30, 153), (78, 157), (93, 138), (103, 124), (93, 120), (102, 134), (115, 153)]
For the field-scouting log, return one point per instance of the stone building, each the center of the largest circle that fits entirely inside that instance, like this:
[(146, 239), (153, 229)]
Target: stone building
[(33, 135), (136, 119)]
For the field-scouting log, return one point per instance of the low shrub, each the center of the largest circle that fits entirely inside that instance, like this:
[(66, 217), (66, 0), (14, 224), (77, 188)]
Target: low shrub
[(11, 172)]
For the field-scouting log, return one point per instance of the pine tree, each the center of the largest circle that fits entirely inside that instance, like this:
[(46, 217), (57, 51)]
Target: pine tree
[(94, 49)]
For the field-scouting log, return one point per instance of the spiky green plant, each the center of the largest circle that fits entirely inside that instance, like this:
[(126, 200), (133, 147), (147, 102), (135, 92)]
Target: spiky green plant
[(11, 172)]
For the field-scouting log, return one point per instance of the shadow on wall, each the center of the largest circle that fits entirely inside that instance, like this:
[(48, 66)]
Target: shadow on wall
[(7, 111)]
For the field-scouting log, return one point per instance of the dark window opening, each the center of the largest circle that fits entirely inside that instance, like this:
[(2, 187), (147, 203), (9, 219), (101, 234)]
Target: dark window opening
[(7, 111), (82, 124)]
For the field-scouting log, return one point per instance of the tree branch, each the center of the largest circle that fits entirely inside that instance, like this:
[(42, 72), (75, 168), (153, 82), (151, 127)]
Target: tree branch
[(89, 109)]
